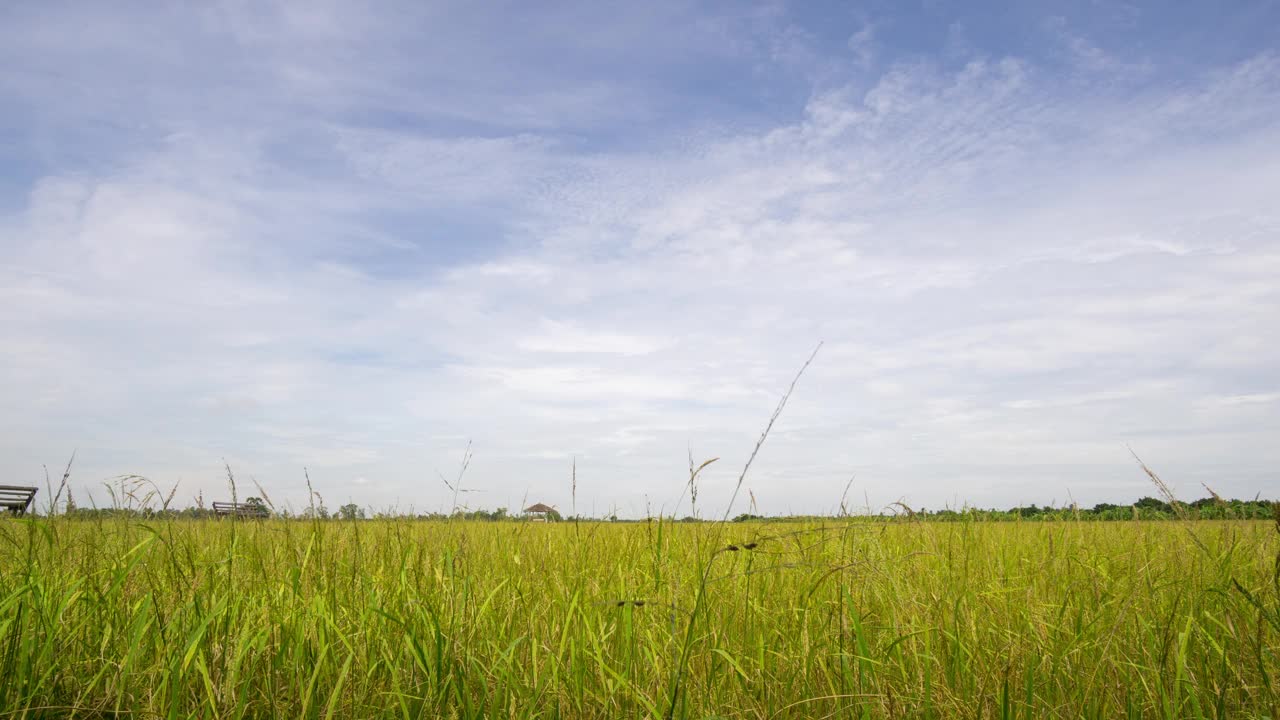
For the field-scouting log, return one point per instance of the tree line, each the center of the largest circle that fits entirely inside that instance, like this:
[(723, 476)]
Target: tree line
[(1146, 508)]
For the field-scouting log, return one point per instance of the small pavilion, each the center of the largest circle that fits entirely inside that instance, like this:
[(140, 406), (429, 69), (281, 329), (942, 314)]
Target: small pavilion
[(539, 512)]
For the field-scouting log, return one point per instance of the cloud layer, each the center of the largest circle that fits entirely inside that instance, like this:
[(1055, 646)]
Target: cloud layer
[(310, 236)]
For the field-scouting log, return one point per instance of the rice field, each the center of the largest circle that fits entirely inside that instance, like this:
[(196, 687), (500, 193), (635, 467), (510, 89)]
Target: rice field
[(821, 619)]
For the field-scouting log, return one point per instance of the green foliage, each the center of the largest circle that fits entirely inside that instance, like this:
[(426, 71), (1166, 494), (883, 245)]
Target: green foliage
[(351, 511), (1147, 508), (164, 617), (482, 515)]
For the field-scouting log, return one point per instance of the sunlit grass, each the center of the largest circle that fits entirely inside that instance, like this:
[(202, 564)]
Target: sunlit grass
[(841, 619)]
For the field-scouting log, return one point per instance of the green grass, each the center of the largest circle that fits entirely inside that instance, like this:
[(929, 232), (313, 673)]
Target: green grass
[(835, 619)]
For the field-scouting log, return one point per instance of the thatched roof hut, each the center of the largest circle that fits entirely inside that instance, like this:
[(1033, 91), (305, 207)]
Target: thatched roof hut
[(539, 511)]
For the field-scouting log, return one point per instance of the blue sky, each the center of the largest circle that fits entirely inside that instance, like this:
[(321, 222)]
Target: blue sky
[(352, 237)]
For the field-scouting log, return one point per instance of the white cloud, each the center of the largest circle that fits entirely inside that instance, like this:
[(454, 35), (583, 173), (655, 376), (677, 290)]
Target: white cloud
[(862, 43), (556, 337), (1013, 279)]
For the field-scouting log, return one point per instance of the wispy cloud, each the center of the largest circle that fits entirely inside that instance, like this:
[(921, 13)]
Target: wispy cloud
[(350, 240)]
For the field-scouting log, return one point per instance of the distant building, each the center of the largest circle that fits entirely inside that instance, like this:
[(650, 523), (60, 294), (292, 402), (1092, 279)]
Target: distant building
[(540, 512)]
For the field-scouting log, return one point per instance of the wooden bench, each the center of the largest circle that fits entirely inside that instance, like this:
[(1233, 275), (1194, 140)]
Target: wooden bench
[(251, 510), (16, 499)]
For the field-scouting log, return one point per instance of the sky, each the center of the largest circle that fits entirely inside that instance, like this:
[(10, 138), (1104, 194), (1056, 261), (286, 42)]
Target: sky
[(354, 238)]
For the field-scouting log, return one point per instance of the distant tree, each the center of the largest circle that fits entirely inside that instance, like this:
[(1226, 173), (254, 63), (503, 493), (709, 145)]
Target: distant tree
[(1153, 505), (196, 513), (351, 511), (1150, 503)]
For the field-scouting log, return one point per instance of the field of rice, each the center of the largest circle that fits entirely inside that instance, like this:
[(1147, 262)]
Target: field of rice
[(822, 619)]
